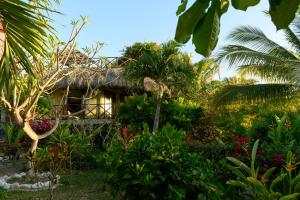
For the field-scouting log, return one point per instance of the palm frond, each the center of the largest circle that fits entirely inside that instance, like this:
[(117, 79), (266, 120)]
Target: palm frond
[(237, 55), (26, 35), (254, 93), (292, 39), (254, 38), (295, 26), (268, 72)]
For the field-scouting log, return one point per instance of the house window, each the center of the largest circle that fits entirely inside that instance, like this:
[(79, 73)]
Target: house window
[(106, 106)]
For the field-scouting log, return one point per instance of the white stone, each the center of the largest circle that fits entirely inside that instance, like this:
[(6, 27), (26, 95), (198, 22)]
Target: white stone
[(22, 174), (15, 186), (16, 176), (6, 186), (25, 186)]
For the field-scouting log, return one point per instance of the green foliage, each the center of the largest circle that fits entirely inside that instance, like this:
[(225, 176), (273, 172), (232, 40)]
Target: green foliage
[(162, 69), (188, 21), (135, 111), (181, 115), (263, 187), (202, 19), (44, 106), (139, 109), (159, 166), (170, 69), (70, 148), (243, 5), (13, 134), (14, 137)]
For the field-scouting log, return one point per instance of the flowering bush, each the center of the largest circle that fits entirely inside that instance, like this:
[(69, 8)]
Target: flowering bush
[(41, 126), (159, 166)]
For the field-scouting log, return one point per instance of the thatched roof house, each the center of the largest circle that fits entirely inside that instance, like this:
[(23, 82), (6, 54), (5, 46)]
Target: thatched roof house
[(90, 92)]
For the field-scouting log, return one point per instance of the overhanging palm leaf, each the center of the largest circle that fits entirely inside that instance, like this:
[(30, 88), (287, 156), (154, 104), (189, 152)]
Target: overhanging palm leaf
[(26, 34), (254, 54), (254, 38)]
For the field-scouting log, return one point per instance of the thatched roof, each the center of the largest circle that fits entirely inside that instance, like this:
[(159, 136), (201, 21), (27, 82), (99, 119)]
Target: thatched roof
[(83, 78), (75, 57)]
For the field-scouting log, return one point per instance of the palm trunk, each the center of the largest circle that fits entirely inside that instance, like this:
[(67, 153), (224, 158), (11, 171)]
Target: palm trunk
[(157, 113), (2, 40)]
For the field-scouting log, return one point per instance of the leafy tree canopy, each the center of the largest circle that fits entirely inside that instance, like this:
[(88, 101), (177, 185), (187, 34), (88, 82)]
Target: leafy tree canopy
[(201, 20)]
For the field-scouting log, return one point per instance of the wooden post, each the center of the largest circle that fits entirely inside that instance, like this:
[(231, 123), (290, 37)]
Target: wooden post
[(98, 105), (83, 105), (117, 103)]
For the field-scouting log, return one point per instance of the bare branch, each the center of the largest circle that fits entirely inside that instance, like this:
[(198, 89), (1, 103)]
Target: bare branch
[(5, 101)]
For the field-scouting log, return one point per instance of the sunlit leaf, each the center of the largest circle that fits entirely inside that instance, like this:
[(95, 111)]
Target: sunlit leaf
[(206, 34), (244, 4), (283, 12), (189, 20), (181, 7)]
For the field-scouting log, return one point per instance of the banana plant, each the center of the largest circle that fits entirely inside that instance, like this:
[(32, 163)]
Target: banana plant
[(263, 188)]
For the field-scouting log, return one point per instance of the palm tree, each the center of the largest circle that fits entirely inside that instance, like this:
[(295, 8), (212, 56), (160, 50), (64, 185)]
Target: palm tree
[(24, 32), (205, 84), (254, 54), (160, 68)]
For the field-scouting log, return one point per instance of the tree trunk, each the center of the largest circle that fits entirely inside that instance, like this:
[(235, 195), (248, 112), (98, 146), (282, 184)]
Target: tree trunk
[(157, 113), (32, 153), (2, 40)]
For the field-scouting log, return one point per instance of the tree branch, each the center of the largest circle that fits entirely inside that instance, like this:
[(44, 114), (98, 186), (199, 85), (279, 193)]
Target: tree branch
[(50, 131)]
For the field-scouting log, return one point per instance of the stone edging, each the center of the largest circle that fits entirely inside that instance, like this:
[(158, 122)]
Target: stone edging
[(18, 186)]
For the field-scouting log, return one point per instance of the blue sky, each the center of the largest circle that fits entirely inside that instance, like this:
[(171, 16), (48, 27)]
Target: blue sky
[(120, 23)]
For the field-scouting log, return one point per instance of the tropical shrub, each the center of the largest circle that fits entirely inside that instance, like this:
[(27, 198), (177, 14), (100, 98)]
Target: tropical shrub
[(158, 166), (139, 109), (180, 115), (71, 149), (135, 111)]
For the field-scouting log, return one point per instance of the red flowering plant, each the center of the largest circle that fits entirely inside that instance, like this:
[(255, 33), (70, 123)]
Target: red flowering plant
[(242, 151), (241, 144)]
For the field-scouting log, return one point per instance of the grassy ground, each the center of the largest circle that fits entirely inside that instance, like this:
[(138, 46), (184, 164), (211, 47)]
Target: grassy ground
[(78, 186)]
